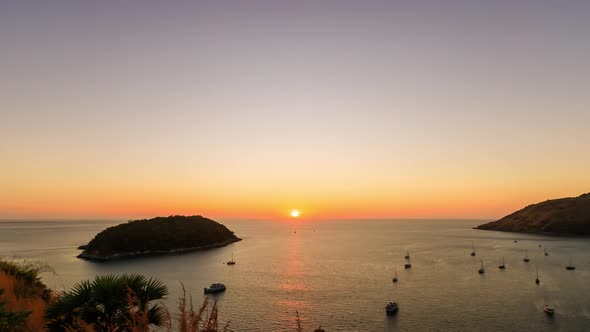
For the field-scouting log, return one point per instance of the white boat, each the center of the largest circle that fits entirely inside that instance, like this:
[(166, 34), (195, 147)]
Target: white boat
[(548, 309), (391, 307), (214, 288)]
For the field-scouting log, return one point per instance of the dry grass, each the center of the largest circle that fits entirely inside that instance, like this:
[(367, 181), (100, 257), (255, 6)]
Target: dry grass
[(201, 320), (18, 297)]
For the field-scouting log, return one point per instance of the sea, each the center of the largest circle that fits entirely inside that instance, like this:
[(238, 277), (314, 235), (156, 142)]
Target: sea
[(338, 274)]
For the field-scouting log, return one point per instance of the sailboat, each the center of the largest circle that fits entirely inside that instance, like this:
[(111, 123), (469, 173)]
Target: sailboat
[(546, 253), (571, 265), (408, 264), (502, 266), (407, 255), (395, 276), (537, 280), (472, 249), (481, 269), (547, 308), (232, 262), (526, 256)]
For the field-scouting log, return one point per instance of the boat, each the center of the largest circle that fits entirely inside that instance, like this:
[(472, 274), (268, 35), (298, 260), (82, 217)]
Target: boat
[(481, 269), (515, 241), (537, 280), (570, 266), (546, 253), (391, 307), (472, 249), (407, 256), (502, 266), (408, 264), (395, 276), (548, 309), (232, 262), (526, 256), (215, 288)]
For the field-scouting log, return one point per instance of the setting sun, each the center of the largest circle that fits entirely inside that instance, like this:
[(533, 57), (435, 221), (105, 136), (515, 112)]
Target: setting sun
[(294, 213)]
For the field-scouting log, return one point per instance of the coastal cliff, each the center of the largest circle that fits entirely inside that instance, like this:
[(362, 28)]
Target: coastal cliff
[(157, 236), (563, 216)]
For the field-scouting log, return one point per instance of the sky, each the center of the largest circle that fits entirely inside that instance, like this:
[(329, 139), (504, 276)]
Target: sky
[(249, 109)]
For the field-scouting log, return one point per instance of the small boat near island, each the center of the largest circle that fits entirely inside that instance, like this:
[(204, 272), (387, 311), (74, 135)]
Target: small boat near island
[(571, 265), (214, 288), (502, 266), (391, 308), (526, 256), (472, 249), (481, 269), (232, 262)]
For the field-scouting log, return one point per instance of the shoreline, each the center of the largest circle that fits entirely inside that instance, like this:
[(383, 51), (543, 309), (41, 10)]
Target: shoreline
[(533, 232), (130, 255)]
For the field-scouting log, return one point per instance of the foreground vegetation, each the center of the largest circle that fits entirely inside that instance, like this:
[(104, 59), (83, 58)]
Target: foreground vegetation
[(161, 235), (23, 297), (111, 303)]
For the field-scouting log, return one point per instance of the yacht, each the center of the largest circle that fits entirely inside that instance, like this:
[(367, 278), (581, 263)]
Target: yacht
[(391, 307), (232, 262), (395, 276), (537, 280), (570, 266), (548, 309), (472, 249), (481, 269), (408, 264), (407, 256), (215, 288), (526, 256), (502, 266), (546, 253)]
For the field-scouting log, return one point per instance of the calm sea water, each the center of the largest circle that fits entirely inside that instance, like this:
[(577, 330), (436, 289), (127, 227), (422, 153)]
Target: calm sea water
[(339, 274)]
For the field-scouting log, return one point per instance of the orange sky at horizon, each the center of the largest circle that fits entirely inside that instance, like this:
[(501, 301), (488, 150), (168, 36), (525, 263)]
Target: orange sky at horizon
[(339, 109)]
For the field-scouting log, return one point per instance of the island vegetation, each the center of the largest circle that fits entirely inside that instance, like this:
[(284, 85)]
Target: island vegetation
[(564, 216), (161, 235)]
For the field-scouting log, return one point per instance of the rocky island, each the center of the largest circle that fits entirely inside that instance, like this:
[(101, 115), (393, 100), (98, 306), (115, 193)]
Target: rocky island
[(157, 236), (564, 216)]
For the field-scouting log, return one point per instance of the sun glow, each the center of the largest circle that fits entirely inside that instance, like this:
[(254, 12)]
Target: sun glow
[(294, 213)]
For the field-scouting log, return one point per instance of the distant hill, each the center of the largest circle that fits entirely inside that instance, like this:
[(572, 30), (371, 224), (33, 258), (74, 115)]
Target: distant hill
[(564, 216), (161, 235)]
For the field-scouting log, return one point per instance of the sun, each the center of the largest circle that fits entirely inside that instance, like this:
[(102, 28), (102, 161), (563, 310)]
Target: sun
[(294, 213)]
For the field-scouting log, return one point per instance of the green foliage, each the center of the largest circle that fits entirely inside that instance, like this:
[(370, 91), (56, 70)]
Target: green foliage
[(159, 234), (108, 302), (11, 321)]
